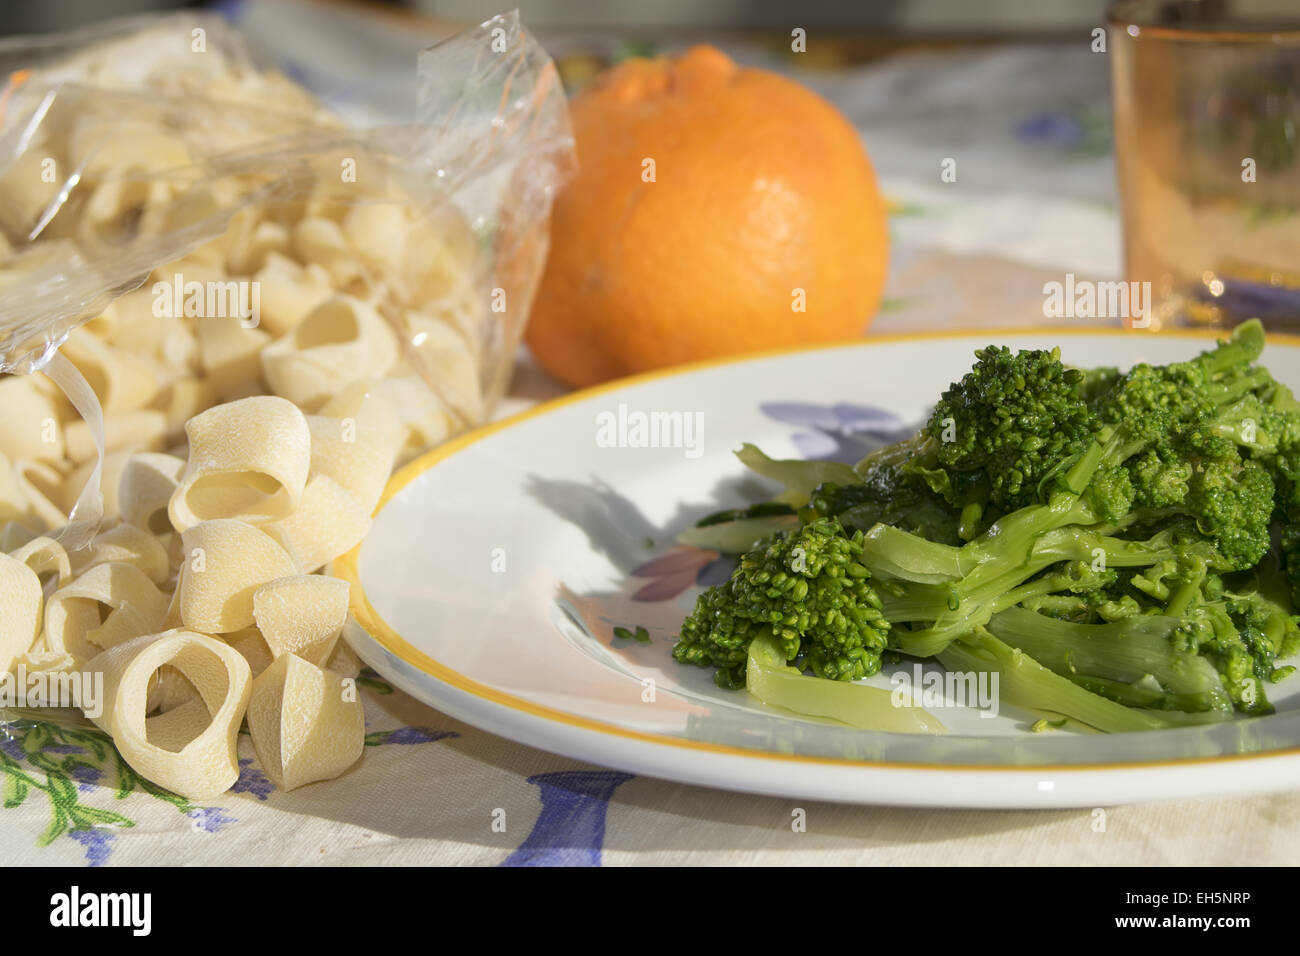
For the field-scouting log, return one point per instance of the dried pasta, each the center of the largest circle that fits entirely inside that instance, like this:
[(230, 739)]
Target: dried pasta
[(344, 661), (168, 689), (226, 561), (182, 399), (76, 625), (302, 615), (250, 643), (328, 523), (13, 499), (40, 485), (126, 544), (14, 535), (20, 610), (374, 415), (341, 338), (289, 292), (190, 750), (46, 557), (110, 477), (306, 723), (145, 488), (422, 424), (145, 428), (122, 382), (320, 241), (444, 352), (357, 457), (231, 356), (248, 459), (28, 425), (243, 450)]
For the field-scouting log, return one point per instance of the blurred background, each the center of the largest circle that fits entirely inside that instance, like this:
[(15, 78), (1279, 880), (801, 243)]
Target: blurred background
[(991, 18), (1018, 92), (1010, 87)]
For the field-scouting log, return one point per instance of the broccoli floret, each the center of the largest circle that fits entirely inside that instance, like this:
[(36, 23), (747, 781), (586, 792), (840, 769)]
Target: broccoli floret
[(1231, 502), (1269, 631), (1103, 540), (1186, 436), (1163, 406), (1149, 402), (1011, 421), (1230, 637), (1229, 498), (1021, 431), (1159, 477), (808, 590), (1167, 410), (1110, 493)]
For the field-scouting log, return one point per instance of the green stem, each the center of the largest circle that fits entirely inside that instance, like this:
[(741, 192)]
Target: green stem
[(1026, 683), (1123, 651), (769, 678)]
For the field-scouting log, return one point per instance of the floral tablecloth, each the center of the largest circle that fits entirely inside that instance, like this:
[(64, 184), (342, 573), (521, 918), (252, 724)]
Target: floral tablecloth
[(431, 790), (1033, 198)]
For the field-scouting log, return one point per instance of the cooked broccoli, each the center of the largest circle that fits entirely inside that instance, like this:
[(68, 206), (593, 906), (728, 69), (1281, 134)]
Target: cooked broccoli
[(940, 601), (1009, 423), (809, 590), (1134, 536), (1280, 426), (1243, 636), (1122, 652), (1228, 497)]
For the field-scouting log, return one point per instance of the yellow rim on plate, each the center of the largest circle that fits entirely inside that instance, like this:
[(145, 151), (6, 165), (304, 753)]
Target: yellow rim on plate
[(347, 566)]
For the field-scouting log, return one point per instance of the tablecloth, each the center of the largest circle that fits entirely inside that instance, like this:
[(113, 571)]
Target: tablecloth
[(1033, 198)]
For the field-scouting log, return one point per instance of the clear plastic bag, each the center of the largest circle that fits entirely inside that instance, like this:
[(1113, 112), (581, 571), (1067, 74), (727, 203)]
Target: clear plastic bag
[(158, 187), (181, 228)]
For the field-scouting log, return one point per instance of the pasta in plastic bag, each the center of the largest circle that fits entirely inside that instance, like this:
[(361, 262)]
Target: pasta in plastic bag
[(225, 318)]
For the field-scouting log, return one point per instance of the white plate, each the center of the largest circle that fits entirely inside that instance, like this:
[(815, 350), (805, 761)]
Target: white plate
[(500, 563)]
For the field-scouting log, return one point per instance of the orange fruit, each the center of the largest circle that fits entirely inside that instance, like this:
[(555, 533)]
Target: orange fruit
[(716, 210)]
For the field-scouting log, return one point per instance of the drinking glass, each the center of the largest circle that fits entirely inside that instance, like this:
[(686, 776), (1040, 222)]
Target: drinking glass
[(1207, 105)]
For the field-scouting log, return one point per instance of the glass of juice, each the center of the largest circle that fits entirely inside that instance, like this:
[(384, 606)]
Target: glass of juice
[(1207, 145)]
